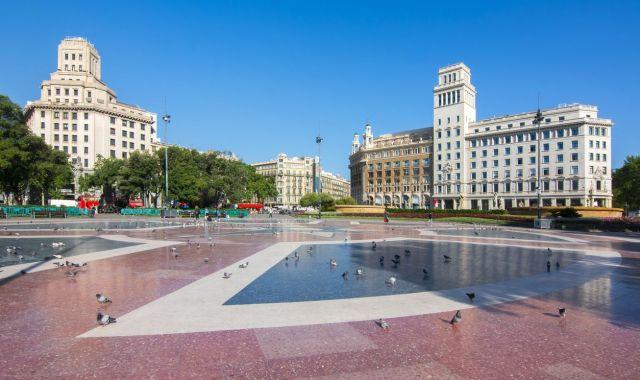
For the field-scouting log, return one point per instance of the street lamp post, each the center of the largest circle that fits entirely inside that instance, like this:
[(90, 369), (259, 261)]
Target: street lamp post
[(319, 140), (167, 119), (538, 120)]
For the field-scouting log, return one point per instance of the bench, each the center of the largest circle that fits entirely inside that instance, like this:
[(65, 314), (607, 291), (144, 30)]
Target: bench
[(58, 214), (39, 214), (188, 214)]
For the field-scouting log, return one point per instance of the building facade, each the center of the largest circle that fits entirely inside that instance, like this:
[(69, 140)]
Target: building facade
[(295, 177), (493, 163), (392, 169), (78, 114)]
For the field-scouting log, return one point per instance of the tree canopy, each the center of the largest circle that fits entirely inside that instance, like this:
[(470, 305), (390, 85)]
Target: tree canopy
[(626, 184), (28, 166), (198, 179), (313, 199)]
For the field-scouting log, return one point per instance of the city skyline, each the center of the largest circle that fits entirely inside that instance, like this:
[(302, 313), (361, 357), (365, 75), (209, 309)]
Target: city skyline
[(282, 75)]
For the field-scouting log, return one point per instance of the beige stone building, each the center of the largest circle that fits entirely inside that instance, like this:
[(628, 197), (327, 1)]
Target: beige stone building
[(392, 169), (297, 176), (78, 114), (486, 164)]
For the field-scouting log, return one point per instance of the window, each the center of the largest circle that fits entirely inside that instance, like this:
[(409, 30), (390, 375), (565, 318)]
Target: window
[(575, 131), (560, 145), (124, 144), (124, 133), (574, 170), (560, 133), (113, 120), (520, 150), (42, 125), (575, 185), (560, 158), (560, 185), (545, 159), (507, 162), (574, 156), (507, 151), (574, 144), (560, 170), (112, 142), (86, 150), (545, 172), (532, 148), (86, 127)]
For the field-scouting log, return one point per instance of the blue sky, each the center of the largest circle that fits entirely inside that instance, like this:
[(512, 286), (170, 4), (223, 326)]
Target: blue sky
[(260, 78)]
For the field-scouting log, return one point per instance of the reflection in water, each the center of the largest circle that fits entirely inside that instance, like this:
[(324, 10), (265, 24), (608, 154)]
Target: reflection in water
[(314, 279), (36, 249), (499, 234), (90, 225)]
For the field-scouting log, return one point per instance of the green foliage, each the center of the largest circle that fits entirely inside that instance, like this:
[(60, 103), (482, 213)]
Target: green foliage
[(626, 184), (312, 200), (346, 201), (566, 212), (198, 179), (27, 163), (445, 211)]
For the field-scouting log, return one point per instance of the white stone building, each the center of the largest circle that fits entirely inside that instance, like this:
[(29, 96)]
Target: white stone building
[(78, 114), (297, 176), (492, 163)]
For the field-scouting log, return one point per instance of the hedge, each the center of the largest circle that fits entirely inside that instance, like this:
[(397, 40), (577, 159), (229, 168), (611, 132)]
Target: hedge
[(444, 211), (602, 224)]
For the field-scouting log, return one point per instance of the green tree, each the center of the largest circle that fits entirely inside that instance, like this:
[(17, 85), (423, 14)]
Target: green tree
[(139, 176), (312, 199), (27, 163), (626, 184), (105, 176), (346, 201)]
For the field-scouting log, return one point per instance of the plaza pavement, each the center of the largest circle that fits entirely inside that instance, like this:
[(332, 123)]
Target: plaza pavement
[(49, 328)]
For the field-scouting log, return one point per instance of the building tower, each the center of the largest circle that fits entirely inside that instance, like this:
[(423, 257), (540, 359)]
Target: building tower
[(355, 145), (454, 108)]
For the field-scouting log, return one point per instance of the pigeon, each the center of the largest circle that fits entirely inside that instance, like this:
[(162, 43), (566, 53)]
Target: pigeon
[(58, 264), (226, 275), (345, 275), (244, 265), (373, 245), (198, 246), (101, 298), (396, 256), (395, 261), (457, 317), (446, 258), (476, 233), (57, 244), (206, 259), (471, 296), (557, 265), (381, 259), (105, 319), (425, 272), (548, 266), (359, 272), (562, 312), (333, 263), (407, 252), (71, 273), (390, 281), (382, 323), (295, 254), (176, 255)]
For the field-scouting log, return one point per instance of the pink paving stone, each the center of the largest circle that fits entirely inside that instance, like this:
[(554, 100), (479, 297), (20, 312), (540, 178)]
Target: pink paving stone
[(42, 313)]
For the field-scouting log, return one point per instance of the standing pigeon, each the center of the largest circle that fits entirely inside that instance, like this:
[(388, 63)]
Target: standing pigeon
[(373, 245), (391, 281), (425, 271), (471, 296), (345, 275), (457, 318), (548, 266), (447, 259), (381, 260), (562, 312), (407, 252), (71, 274), (226, 275), (101, 298), (383, 324), (105, 319)]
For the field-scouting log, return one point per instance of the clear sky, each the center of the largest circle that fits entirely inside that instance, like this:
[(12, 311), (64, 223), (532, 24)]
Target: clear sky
[(259, 78)]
